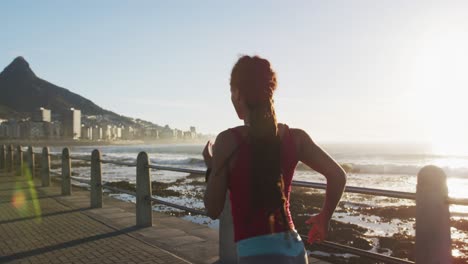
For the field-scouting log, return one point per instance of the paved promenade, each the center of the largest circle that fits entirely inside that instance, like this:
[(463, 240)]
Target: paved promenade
[(38, 225)]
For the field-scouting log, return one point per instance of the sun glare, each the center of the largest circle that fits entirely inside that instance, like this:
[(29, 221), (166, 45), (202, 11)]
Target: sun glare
[(449, 136), (439, 89), (448, 146)]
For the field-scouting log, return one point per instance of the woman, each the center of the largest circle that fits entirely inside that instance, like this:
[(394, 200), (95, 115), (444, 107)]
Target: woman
[(256, 163)]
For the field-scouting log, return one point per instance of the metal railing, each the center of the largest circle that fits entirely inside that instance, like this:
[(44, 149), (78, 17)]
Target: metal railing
[(432, 215)]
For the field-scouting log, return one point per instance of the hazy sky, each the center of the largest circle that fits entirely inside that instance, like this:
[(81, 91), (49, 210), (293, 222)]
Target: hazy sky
[(347, 70)]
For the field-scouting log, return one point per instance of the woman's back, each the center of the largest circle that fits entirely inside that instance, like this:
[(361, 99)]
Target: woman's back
[(248, 221)]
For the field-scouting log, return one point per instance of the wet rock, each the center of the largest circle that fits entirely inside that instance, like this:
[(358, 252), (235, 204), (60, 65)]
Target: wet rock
[(460, 224), (401, 245), (391, 212), (122, 185)]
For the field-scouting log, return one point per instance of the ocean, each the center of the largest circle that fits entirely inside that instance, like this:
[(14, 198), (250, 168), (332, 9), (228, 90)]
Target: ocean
[(383, 166), (380, 166)]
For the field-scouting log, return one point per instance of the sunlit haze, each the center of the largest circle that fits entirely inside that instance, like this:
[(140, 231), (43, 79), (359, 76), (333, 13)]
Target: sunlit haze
[(348, 71)]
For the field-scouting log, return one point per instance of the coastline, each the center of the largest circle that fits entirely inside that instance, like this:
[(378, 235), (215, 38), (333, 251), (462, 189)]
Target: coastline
[(63, 142)]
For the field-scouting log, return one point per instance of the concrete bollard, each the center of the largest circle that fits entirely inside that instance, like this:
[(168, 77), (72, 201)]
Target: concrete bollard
[(9, 161), (45, 167), (2, 157), (144, 216), (433, 242), (96, 179), (66, 172), (19, 161), (31, 162), (227, 247)]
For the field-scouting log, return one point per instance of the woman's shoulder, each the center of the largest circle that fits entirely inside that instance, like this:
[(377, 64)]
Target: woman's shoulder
[(295, 132), (298, 136), (227, 139)]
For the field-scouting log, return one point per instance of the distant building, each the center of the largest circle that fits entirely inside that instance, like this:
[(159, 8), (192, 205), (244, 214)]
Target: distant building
[(178, 134), (72, 124), (190, 134), (116, 132), (106, 132), (86, 132), (96, 132), (128, 132), (53, 130), (168, 133), (11, 129), (3, 129), (42, 115)]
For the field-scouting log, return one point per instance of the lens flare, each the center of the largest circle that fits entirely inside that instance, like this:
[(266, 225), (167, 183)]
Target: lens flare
[(25, 205), (18, 199)]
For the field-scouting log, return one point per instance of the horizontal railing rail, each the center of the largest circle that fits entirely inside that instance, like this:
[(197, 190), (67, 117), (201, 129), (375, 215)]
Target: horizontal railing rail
[(128, 164), (80, 180), (457, 201), (144, 196), (158, 167), (360, 190), (82, 158)]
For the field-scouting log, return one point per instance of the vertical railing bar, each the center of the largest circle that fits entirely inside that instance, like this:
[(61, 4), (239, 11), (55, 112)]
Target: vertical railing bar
[(45, 167), (433, 242), (96, 179), (31, 162), (2, 157), (66, 172), (10, 158), (144, 214), (19, 161)]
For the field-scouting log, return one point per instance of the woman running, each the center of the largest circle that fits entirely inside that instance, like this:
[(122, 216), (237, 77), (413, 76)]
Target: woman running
[(256, 163)]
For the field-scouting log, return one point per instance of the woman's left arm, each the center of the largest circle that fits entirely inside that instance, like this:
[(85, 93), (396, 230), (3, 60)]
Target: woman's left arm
[(215, 193)]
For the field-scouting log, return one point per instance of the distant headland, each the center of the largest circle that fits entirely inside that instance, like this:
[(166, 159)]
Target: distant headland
[(32, 109)]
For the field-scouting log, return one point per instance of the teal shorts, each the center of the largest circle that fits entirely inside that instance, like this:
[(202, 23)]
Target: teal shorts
[(284, 247)]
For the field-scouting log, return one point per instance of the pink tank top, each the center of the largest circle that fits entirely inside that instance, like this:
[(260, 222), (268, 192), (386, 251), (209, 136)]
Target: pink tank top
[(247, 225)]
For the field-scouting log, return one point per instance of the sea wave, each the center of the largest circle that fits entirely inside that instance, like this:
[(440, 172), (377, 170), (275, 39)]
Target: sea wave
[(196, 162)]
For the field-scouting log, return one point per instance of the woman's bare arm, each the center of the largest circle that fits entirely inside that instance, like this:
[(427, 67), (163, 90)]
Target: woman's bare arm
[(317, 159), (216, 188), (313, 156)]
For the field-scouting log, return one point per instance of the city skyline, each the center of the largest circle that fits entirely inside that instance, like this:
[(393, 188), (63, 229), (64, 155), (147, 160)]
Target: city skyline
[(72, 125), (347, 71)]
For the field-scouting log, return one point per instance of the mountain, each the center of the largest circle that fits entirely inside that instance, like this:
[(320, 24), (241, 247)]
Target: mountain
[(22, 92)]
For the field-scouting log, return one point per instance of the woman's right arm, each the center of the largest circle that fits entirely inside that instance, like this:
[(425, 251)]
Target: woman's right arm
[(316, 158)]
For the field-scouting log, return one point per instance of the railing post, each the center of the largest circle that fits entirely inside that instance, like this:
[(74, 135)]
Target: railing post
[(433, 242), (9, 163), (45, 167), (144, 216), (227, 247), (31, 162), (96, 179), (19, 161), (66, 172), (2, 157)]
